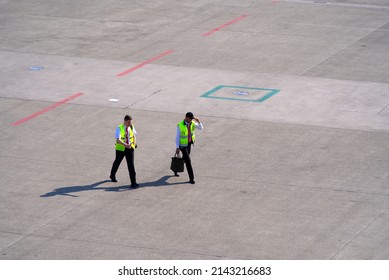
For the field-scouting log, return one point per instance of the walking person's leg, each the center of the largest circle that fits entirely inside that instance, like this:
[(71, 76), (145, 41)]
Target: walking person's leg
[(131, 167), (186, 156), (115, 166)]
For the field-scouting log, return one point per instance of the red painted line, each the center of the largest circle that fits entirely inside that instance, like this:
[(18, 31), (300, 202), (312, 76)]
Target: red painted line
[(47, 109), (144, 63), (224, 25)]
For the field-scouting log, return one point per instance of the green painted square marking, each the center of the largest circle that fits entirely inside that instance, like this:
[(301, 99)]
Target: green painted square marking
[(240, 93)]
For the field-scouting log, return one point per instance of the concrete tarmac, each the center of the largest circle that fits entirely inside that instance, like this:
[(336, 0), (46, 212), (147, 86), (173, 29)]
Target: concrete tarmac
[(293, 161)]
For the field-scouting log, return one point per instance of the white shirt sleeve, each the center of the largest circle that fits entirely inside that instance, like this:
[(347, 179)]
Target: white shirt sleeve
[(199, 126), (178, 134), (117, 133)]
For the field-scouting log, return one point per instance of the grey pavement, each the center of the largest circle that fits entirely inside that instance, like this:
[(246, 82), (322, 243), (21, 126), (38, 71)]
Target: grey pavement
[(293, 161)]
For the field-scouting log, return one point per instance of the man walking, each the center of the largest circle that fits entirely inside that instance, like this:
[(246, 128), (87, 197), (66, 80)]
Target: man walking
[(185, 137), (125, 146)]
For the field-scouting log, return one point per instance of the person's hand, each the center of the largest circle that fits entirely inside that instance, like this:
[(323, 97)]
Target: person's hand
[(197, 119), (177, 151), (128, 146)]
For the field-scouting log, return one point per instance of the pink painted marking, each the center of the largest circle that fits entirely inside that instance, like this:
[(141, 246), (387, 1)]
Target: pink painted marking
[(144, 63), (47, 109), (224, 25)]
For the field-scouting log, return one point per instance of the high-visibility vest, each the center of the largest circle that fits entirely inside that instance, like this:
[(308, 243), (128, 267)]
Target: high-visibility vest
[(184, 133), (121, 147)]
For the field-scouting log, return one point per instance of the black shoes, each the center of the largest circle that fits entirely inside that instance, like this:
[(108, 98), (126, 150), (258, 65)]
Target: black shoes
[(192, 181), (134, 186), (176, 174)]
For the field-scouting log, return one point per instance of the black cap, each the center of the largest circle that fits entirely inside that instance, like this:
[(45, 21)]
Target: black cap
[(189, 115)]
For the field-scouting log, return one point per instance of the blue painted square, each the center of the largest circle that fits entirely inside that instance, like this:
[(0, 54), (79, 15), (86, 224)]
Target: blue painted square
[(241, 93)]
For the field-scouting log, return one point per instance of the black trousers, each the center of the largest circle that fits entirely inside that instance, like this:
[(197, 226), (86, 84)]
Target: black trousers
[(186, 156), (129, 154)]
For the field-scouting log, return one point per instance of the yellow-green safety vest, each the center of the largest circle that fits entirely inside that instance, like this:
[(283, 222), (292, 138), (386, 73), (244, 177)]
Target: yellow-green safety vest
[(121, 147), (184, 133)]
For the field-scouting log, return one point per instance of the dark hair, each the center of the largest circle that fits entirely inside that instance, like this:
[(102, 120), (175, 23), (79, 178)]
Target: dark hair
[(127, 118), (189, 115)]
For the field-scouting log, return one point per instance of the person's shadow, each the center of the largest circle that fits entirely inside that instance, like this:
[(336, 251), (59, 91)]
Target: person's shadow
[(68, 191)]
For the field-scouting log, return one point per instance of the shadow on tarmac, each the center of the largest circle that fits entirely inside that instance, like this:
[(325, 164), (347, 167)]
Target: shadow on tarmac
[(68, 191)]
